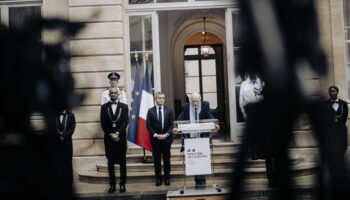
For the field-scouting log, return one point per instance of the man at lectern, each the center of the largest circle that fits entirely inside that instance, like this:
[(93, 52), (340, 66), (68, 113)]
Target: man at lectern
[(196, 110)]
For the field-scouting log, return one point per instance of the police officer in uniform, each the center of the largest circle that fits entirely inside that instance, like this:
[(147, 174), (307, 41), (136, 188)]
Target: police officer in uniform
[(114, 80)]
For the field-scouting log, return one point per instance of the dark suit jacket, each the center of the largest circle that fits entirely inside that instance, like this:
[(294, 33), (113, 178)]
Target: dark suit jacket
[(114, 149), (154, 126), (338, 130), (204, 114), (342, 112), (66, 144)]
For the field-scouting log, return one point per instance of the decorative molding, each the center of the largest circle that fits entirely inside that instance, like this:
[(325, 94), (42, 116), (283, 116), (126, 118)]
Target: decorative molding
[(197, 5)]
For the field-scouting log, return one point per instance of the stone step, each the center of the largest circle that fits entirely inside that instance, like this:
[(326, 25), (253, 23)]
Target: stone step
[(217, 145), (178, 156), (254, 189), (179, 165), (178, 175)]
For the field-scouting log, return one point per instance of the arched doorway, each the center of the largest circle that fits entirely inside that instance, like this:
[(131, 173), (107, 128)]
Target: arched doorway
[(194, 72)]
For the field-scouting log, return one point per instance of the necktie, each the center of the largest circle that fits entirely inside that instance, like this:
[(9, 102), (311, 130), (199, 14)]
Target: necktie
[(160, 117), (195, 114)]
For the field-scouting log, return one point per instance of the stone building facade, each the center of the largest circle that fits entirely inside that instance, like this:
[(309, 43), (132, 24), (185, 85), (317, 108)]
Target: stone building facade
[(106, 44)]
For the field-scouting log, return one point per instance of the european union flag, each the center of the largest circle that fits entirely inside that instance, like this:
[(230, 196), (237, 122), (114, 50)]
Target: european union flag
[(135, 106)]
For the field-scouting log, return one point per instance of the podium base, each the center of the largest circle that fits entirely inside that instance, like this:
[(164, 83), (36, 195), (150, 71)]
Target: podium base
[(191, 193)]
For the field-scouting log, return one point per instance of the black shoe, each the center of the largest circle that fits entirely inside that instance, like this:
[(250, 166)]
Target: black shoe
[(122, 189), (158, 182), (167, 182), (112, 189), (182, 149)]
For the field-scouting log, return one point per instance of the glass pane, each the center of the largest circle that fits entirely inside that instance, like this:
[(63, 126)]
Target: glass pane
[(209, 83), (142, 67), (236, 29), (192, 84), (238, 78), (346, 7), (140, 33), (212, 98), (191, 51), (240, 117), (208, 67), (148, 33), (211, 50), (19, 16), (191, 68), (347, 45), (140, 1)]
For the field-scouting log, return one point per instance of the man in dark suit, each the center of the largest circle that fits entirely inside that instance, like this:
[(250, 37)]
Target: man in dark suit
[(114, 120), (160, 121), (65, 126), (337, 115), (196, 110)]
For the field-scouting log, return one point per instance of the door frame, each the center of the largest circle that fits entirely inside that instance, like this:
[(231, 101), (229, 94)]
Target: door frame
[(232, 6)]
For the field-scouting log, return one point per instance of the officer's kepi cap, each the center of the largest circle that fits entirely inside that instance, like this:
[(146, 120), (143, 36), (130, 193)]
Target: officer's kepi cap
[(113, 75)]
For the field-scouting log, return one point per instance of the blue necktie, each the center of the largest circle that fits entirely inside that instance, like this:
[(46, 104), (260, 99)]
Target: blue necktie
[(195, 114)]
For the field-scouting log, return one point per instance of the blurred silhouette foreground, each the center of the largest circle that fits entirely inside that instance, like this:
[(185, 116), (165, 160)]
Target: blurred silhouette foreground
[(279, 39), (34, 80)]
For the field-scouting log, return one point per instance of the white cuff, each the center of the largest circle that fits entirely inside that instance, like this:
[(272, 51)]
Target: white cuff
[(155, 135)]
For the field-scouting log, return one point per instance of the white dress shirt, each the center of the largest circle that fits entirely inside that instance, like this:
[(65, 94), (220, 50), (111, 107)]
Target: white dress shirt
[(250, 92), (335, 105), (122, 96), (114, 107), (62, 115)]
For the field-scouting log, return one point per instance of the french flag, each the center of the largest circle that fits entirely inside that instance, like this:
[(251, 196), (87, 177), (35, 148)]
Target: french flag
[(147, 102), (142, 100)]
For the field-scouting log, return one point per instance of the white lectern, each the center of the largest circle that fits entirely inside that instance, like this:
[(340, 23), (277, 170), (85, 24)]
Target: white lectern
[(197, 151)]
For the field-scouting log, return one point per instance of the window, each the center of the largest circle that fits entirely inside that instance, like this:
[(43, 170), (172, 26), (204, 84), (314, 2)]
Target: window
[(16, 14), (200, 74), (141, 43), (346, 9)]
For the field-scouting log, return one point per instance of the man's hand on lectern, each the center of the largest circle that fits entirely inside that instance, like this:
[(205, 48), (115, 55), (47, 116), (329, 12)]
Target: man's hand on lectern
[(175, 130), (217, 127)]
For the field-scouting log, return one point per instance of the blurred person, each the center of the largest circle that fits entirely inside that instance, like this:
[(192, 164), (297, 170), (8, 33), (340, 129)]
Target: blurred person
[(65, 126), (114, 81), (114, 121), (251, 92), (160, 121), (45, 87)]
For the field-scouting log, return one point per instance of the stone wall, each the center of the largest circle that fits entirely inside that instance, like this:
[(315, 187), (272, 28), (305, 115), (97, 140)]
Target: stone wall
[(97, 50)]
